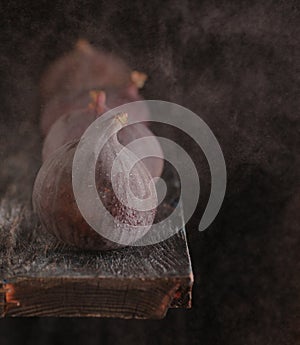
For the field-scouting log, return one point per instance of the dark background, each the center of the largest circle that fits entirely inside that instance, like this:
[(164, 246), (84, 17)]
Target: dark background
[(234, 64)]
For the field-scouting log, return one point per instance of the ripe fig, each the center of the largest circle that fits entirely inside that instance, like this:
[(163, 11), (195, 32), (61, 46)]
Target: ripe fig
[(60, 106), (66, 83), (84, 68), (56, 206), (72, 125)]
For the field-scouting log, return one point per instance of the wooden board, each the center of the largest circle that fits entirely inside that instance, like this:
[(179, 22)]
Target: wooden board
[(41, 277)]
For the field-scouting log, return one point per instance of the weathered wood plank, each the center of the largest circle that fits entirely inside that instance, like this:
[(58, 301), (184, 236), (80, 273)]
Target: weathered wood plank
[(126, 298)]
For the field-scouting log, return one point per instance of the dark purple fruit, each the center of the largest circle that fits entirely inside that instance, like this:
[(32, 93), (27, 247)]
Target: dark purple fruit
[(66, 84), (55, 204), (72, 125)]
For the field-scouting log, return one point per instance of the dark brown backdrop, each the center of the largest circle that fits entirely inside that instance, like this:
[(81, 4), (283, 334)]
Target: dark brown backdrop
[(235, 65)]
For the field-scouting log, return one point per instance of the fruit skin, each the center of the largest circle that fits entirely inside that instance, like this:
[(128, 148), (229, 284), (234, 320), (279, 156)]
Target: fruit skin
[(61, 105), (135, 131), (55, 204), (82, 69), (66, 83), (71, 126)]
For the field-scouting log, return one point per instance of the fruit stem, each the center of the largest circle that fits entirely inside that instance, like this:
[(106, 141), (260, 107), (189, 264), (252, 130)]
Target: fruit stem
[(138, 79), (98, 101), (122, 117), (83, 45)]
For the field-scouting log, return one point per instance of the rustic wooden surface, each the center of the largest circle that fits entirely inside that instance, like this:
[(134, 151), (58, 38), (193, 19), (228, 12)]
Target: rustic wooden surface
[(43, 277), (235, 64)]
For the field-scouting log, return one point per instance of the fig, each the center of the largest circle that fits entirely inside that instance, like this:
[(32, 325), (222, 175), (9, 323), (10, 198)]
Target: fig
[(83, 68), (66, 83), (55, 203), (58, 107), (72, 125)]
